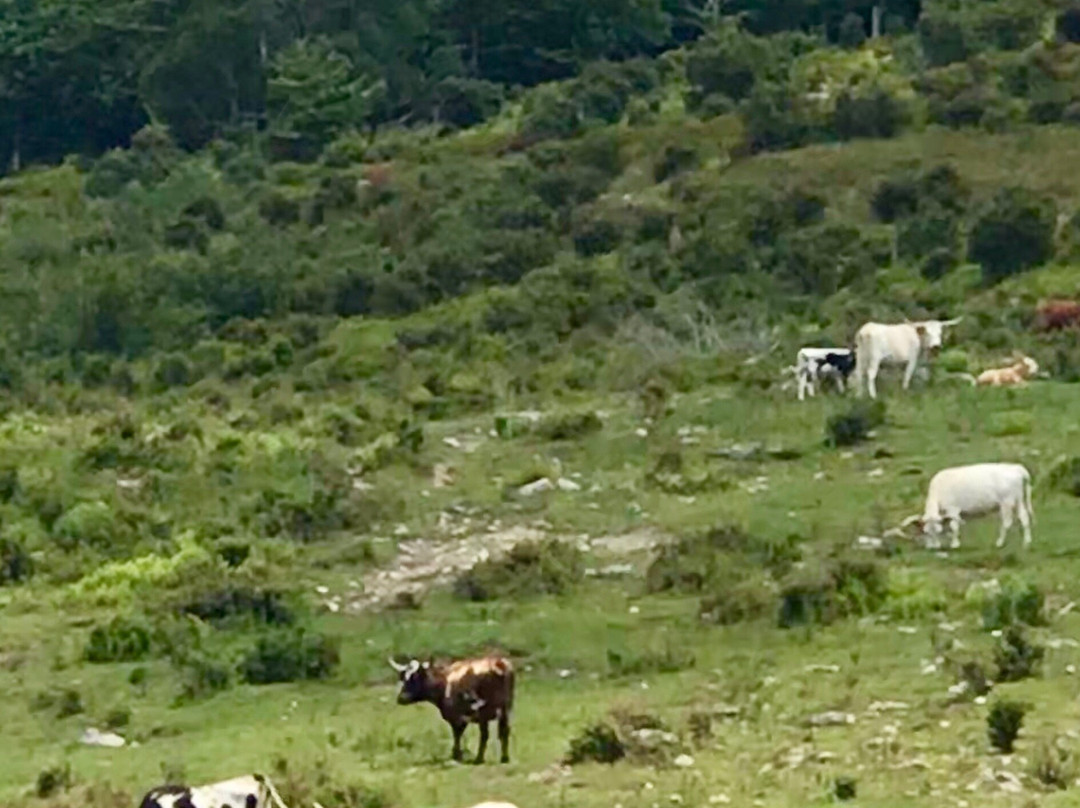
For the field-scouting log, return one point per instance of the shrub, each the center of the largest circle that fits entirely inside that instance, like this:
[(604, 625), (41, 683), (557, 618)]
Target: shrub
[(52, 781), (596, 236), (1016, 601), (290, 656), (173, 370), (843, 588), (1055, 764), (598, 743), (1065, 476), (207, 210), (973, 675), (855, 425), (186, 234), (1016, 657), (742, 600), (772, 119), (569, 426), (117, 718), (88, 524), (64, 703), (16, 563), (120, 640), (877, 114), (551, 567), (203, 673), (844, 788), (279, 210), (939, 263), (674, 161), (1003, 724), (464, 102), (236, 604), (932, 228), (1014, 232), (637, 663)]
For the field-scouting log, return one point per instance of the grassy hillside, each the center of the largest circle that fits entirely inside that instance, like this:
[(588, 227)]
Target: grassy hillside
[(267, 418)]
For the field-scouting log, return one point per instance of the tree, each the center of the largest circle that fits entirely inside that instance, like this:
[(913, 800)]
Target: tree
[(315, 91), (1015, 232)]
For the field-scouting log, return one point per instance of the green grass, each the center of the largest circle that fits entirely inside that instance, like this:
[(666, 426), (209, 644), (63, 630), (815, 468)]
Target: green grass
[(350, 726)]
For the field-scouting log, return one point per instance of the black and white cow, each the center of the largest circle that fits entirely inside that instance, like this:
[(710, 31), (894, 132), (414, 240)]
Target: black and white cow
[(812, 365), (252, 791)]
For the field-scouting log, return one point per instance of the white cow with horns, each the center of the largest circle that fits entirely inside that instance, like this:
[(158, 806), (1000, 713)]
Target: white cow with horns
[(878, 344), (975, 490)]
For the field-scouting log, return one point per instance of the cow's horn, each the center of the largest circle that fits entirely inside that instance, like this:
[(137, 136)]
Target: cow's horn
[(396, 666), (911, 520), (955, 321)]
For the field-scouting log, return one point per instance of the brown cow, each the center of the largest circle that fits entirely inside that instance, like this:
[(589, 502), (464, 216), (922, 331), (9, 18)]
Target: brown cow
[(470, 691), (1054, 315)]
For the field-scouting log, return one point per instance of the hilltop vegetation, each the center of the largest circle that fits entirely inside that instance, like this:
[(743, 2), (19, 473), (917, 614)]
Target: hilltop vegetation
[(288, 284)]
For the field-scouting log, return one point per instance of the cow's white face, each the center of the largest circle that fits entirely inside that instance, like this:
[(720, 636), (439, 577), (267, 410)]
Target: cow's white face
[(931, 334)]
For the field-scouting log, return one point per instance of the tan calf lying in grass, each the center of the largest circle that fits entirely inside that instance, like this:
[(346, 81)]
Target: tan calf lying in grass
[(1015, 375), (471, 691)]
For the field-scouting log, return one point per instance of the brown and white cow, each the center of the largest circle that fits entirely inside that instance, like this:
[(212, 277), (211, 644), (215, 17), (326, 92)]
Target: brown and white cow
[(470, 691)]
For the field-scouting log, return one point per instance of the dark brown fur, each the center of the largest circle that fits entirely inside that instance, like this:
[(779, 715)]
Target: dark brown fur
[(1054, 315), (470, 691)]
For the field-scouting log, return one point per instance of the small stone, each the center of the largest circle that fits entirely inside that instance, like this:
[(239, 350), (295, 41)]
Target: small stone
[(684, 761)]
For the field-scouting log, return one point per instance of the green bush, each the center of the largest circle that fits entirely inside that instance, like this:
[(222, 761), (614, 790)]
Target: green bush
[(741, 600), (852, 33), (16, 563), (464, 102), (930, 229), (1065, 476), (173, 370), (120, 640), (292, 655), (843, 588), (674, 161), (235, 604), (1016, 657), (279, 210), (551, 567), (52, 781), (1003, 724), (1013, 233), (569, 426), (88, 524), (1016, 601), (874, 114), (855, 425), (1055, 765), (598, 743)]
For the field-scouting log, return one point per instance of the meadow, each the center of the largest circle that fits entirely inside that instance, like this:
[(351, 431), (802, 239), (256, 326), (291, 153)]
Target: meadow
[(736, 694)]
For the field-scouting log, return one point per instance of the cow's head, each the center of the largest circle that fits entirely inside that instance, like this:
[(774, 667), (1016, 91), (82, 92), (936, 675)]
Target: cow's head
[(929, 527), (1028, 366), (415, 680), (932, 332)]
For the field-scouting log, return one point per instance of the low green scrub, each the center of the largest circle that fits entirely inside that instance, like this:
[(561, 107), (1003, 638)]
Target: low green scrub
[(838, 589), (569, 426), (913, 594), (597, 743), (855, 425), (530, 569), (1065, 476), (627, 662), (1016, 657), (122, 639), (1003, 724), (291, 655), (1011, 601)]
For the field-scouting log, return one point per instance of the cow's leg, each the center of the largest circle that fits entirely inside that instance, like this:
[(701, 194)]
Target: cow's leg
[(1006, 522), (954, 531), (871, 378), (840, 384), (802, 385), (1025, 521), (459, 730), (504, 736), (483, 741), (909, 372)]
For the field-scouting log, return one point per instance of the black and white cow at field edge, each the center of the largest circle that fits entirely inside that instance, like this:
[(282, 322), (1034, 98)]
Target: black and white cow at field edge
[(812, 365), (251, 791), (878, 344), (975, 490)]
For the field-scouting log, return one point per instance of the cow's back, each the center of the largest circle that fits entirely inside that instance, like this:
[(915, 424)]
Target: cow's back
[(490, 679), (978, 487)]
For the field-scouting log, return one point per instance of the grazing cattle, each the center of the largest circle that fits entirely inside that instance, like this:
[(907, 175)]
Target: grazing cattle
[(252, 791), (975, 490), (877, 344), (471, 691), (1014, 375), (1055, 315), (814, 364)]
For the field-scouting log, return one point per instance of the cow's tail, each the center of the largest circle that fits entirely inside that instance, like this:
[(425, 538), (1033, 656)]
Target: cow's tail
[(1027, 496)]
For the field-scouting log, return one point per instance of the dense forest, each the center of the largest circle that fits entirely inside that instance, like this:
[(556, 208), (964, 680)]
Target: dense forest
[(83, 76)]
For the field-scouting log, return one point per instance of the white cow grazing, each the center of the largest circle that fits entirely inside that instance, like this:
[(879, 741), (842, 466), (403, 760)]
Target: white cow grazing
[(252, 791), (975, 490), (814, 364), (877, 344)]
